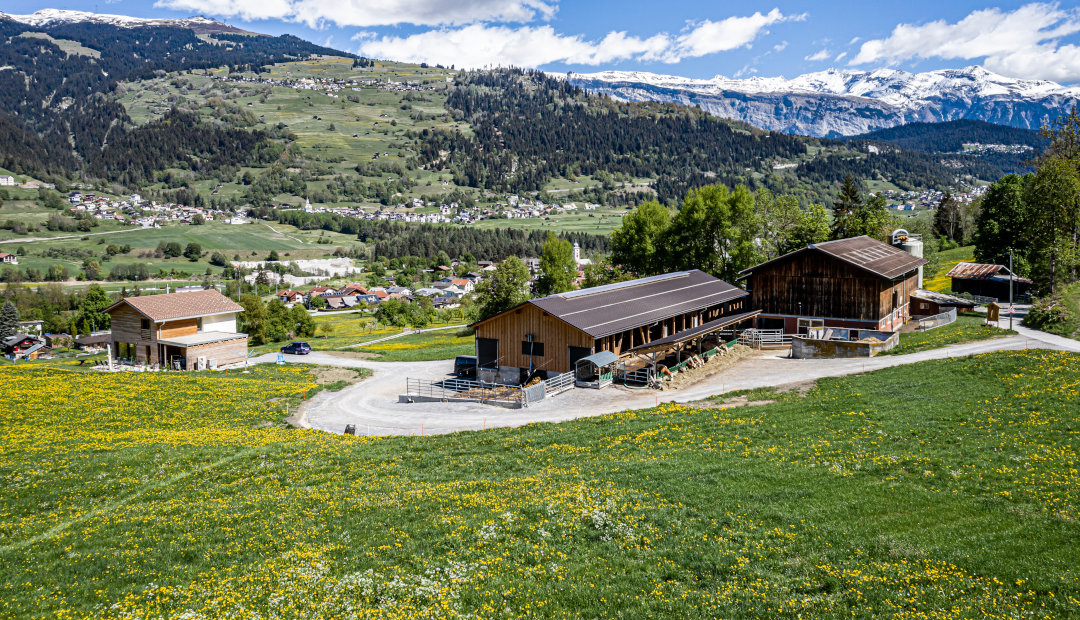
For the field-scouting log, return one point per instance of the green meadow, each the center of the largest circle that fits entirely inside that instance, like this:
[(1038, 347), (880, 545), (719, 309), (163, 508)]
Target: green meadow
[(943, 489)]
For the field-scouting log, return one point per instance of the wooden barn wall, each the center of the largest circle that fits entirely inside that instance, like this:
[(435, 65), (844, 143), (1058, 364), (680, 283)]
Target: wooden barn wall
[(557, 336), (825, 287)]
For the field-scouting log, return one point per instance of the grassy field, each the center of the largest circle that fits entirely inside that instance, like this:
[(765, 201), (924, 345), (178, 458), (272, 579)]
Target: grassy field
[(246, 242), (354, 328), (966, 328), (427, 346), (890, 495), (949, 259)]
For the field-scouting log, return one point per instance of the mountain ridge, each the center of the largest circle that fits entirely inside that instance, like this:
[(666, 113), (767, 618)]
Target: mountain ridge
[(836, 103), (45, 18)]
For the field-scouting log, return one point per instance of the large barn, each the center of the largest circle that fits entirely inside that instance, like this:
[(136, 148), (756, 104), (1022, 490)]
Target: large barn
[(550, 334), (856, 283)]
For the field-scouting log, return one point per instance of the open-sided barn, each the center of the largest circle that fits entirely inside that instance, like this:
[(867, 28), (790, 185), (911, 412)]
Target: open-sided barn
[(551, 334), (857, 282), (984, 280)]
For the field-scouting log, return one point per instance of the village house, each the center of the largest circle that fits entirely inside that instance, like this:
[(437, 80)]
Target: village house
[(23, 346), (856, 283), (660, 313), (990, 281), (290, 297), (185, 331), (8, 259)]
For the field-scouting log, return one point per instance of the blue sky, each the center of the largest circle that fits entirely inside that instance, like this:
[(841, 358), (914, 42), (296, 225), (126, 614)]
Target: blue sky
[(696, 39)]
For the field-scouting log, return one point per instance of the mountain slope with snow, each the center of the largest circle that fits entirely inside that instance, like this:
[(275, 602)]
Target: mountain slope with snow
[(845, 103), (53, 17)]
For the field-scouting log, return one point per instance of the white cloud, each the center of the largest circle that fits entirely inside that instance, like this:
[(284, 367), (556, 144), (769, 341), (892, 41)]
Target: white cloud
[(367, 13), (779, 47), (481, 45), (819, 55), (1023, 42), (840, 56)]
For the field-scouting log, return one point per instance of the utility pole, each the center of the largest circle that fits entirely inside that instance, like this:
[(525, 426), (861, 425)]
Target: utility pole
[(1010, 289)]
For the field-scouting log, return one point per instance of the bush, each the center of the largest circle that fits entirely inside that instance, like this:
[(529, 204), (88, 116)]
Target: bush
[(1047, 313)]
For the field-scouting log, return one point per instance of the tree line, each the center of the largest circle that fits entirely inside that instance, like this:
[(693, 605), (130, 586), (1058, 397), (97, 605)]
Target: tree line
[(1036, 216)]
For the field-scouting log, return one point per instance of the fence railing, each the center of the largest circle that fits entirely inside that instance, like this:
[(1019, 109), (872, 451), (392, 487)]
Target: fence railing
[(765, 338), (937, 320), (464, 390), (559, 384)]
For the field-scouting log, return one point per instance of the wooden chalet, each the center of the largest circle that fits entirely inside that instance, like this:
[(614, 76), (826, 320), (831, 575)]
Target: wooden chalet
[(856, 283), (183, 331), (550, 334)]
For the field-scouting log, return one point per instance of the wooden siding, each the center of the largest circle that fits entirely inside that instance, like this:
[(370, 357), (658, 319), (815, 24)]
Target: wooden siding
[(175, 329), (224, 353), (127, 327), (813, 284), (556, 335)]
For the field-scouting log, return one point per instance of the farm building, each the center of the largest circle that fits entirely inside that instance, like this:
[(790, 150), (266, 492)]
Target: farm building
[(990, 281), (929, 303), (552, 333), (178, 330), (857, 282)]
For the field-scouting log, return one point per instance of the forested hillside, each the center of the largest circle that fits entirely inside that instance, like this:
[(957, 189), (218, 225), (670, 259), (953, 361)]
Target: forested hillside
[(951, 136), (528, 127), (55, 115)]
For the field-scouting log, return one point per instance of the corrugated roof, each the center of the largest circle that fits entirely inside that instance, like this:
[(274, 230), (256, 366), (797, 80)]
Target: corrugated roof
[(864, 252), (975, 271), (174, 306), (943, 299), (613, 308), (600, 358)]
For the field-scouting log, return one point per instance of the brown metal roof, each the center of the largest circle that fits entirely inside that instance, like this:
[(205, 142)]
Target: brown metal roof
[(975, 271), (613, 308), (864, 252), (174, 306)]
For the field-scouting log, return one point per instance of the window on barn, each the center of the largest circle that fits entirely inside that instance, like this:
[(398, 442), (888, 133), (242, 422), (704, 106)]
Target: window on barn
[(532, 348)]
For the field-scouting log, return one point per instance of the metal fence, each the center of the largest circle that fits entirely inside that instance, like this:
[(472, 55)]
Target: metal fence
[(559, 384), (465, 391), (765, 338), (937, 320)]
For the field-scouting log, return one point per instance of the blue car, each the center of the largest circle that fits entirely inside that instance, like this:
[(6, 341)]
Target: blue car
[(296, 348)]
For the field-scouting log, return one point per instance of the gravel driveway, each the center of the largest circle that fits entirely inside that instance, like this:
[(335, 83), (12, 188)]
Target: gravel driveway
[(372, 405)]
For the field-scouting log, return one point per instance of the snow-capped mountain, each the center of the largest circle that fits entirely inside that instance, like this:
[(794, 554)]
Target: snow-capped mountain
[(844, 103), (53, 17)]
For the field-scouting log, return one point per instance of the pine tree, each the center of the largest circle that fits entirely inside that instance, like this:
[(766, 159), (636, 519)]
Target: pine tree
[(9, 320), (845, 209)]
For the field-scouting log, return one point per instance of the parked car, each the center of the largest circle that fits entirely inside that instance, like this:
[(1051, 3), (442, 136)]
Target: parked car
[(296, 348), (465, 366)]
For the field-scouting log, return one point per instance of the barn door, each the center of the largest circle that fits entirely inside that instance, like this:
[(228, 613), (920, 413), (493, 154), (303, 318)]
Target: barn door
[(577, 353), (487, 352)]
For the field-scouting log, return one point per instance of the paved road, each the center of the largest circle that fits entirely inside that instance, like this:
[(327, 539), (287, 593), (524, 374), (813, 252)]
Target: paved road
[(372, 404)]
